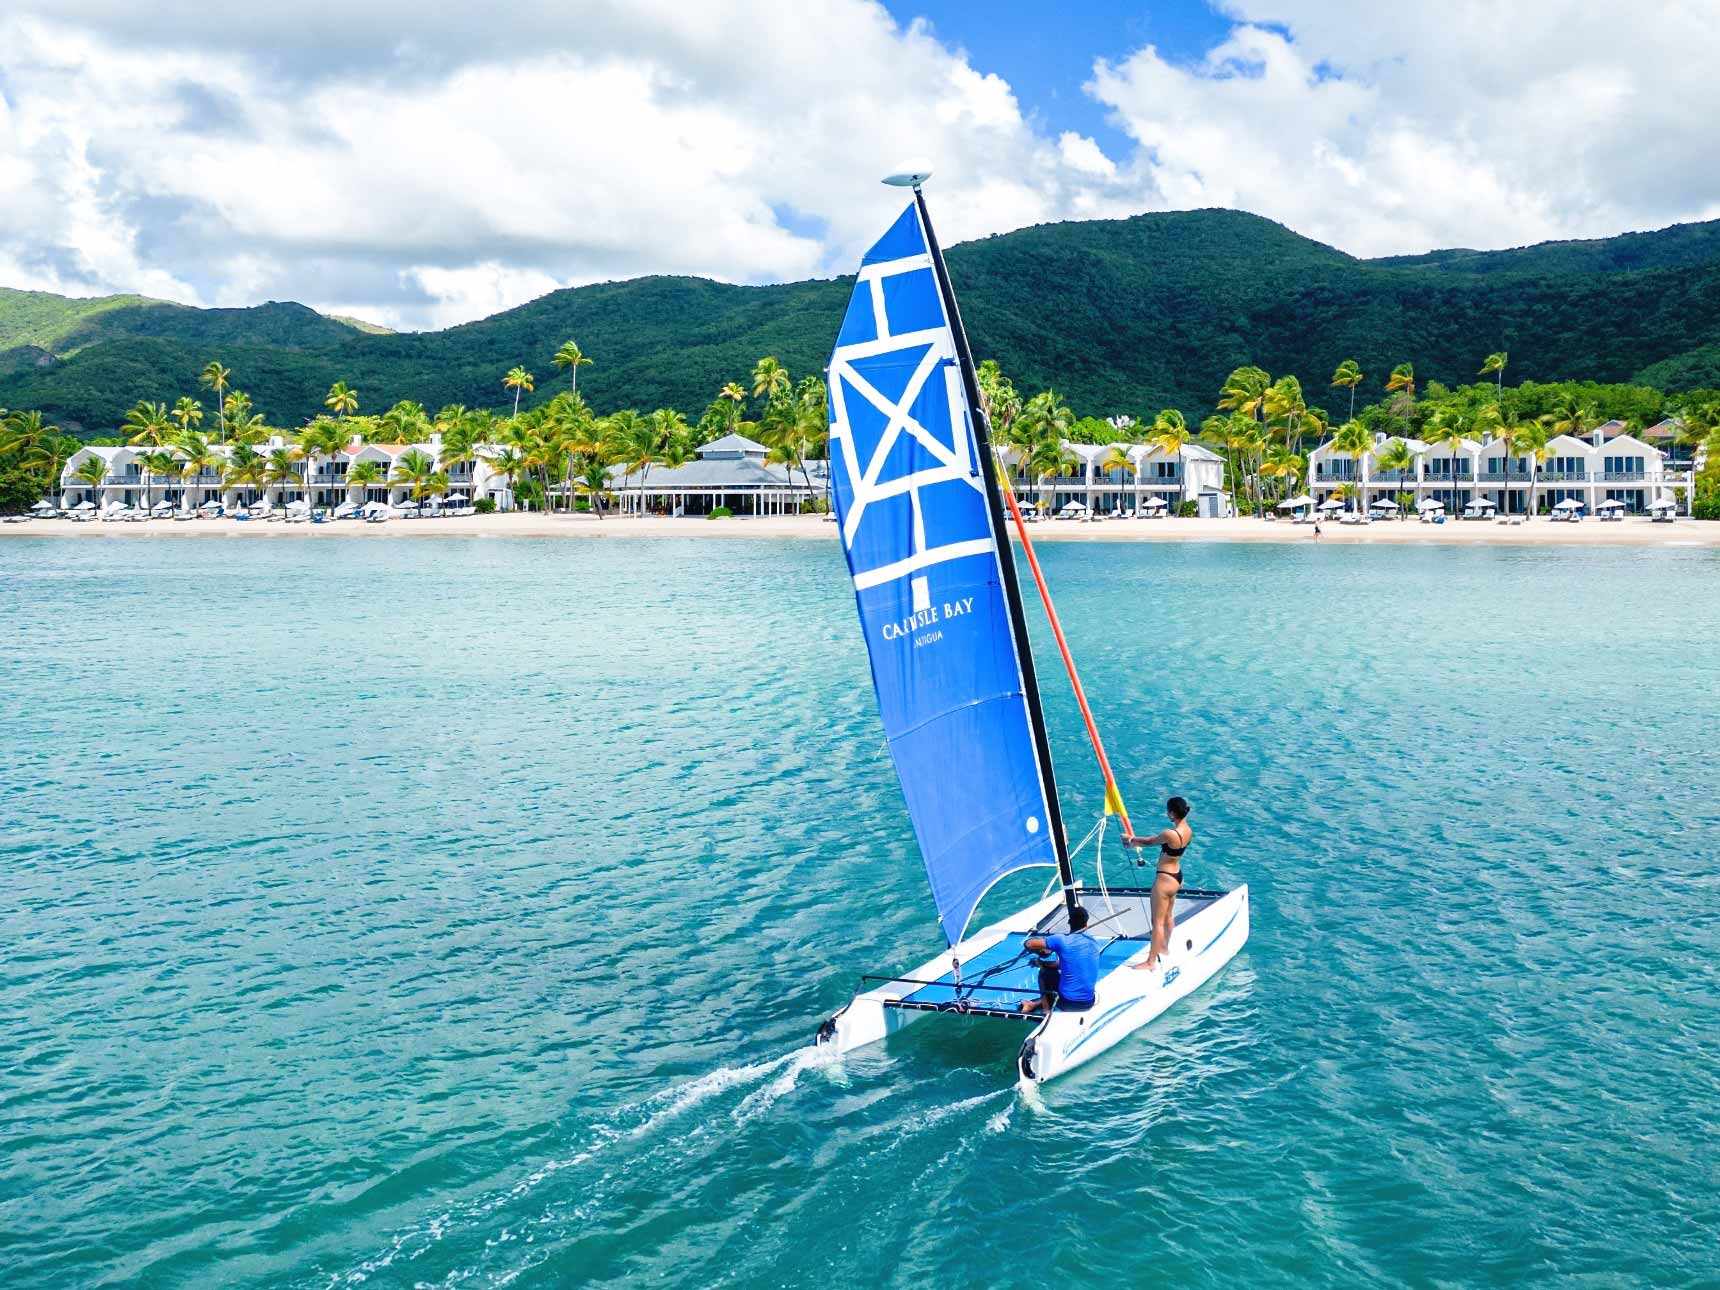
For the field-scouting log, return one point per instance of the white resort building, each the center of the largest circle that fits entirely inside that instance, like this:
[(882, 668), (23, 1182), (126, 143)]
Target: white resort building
[(731, 471), (1610, 465), (320, 481), (1129, 479)]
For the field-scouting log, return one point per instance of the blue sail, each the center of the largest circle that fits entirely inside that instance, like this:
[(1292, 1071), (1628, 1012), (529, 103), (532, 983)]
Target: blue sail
[(917, 527)]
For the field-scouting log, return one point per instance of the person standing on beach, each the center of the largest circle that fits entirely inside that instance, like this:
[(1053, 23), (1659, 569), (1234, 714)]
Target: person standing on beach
[(1167, 881)]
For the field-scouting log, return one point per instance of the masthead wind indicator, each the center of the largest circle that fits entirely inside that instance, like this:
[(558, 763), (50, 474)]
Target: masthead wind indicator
[(910, 174)]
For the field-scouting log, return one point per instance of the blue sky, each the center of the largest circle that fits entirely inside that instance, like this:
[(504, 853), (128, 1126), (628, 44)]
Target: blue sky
[(1046, 51)]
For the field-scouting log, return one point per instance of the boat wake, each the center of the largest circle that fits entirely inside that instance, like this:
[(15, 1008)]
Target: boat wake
[(629, 1122)]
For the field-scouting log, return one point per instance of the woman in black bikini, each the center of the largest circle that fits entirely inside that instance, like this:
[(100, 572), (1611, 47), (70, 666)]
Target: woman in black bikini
[(1171, 842)]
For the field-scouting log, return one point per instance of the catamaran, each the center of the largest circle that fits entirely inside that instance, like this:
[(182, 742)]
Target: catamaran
[(920, 503)]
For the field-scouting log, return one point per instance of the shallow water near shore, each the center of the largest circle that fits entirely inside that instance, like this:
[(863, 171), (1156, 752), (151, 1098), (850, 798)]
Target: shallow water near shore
[(406, 913)]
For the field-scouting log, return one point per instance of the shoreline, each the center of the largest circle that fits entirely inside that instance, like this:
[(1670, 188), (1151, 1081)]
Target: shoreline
[(1634, 531)]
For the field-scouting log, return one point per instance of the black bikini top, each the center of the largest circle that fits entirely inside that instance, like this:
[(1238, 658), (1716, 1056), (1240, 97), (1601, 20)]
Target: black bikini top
[(1168, 852)]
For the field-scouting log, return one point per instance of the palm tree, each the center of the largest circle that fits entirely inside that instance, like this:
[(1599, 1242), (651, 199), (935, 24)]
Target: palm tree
[(770, 378), (1349, 374), (1046, 460), (1508, 435), (737, 396), (1283, 404), (91, 472), (670, 443), (405, 422), (36, 447), (246, 467), (241, 426), (1494, 365), (1534, 442), (1574, 416), (518, 380), (1286, 466), (592, 482), (1355, 442), (459, 445), (214, 377), (342, 399), (509, 463), (1170, 435), (365, 475), (416, 471), (198, 455), (1453, 429), (188, 412), (280, 468), (1000, 403), (1117, 458), (148, 425), (1402, 383), (1397, 458), (321, 438), (160, 463), (572, 357), (1245, 392)]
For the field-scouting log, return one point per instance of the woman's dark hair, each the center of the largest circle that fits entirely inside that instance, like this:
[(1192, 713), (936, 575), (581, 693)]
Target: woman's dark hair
[(1178, 807)]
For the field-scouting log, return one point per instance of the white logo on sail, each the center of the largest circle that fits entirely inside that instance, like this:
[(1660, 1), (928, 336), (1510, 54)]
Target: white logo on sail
[(953, 460)]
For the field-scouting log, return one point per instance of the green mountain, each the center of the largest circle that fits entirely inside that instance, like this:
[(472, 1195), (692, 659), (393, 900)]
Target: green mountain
[(1120, 315)]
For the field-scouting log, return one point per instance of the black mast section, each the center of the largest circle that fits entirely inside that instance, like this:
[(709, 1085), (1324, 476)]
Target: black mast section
[(1005, 555)]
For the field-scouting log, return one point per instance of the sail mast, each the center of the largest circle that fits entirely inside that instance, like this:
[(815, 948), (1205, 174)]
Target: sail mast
[(1005, 554)]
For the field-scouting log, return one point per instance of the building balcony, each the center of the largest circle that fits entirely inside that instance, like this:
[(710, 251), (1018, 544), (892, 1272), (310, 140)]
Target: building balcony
[(1392, 477), (1625, 476), (1564, 476), (1503, 476)]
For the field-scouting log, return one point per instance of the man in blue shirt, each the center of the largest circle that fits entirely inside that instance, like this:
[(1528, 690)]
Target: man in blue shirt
[(1068, 983)]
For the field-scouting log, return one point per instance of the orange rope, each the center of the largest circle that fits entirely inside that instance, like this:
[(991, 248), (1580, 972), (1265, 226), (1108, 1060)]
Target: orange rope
[(1113, 796)]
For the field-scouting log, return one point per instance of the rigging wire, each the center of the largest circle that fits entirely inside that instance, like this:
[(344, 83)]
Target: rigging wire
[(1113, 795)]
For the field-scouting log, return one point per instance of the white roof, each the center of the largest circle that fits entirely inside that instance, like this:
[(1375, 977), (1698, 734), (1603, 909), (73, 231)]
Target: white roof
[(733, 444)]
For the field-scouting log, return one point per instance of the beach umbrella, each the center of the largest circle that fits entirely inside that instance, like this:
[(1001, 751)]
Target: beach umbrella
[(1611, 504), (1384, 504), (1296, 503), (85, 506), (43, 505), (1154, 504), (457, 497), (1569, 504), (1331, 504), (1429, 504)]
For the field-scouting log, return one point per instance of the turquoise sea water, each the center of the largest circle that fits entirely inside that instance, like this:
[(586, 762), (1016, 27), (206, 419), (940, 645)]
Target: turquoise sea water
[(397, 912)]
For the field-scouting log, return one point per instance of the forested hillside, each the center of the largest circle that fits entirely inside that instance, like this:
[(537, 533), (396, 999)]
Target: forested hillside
[(1120, 316)]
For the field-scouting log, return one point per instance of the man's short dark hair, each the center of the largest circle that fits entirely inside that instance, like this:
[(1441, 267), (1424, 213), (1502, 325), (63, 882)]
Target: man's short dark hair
[(1178, 807), (1077, 918)]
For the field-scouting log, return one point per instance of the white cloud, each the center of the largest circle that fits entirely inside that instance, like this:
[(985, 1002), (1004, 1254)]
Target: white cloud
[(1393, 128), (536, 149), (438, 163)]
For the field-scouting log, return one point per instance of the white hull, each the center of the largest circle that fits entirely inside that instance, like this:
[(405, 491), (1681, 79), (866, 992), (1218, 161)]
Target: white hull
[(1124, 1000)]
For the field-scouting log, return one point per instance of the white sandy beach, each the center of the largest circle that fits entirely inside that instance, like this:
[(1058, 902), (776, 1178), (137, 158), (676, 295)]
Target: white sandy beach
[(1631, 531)]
